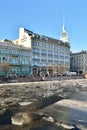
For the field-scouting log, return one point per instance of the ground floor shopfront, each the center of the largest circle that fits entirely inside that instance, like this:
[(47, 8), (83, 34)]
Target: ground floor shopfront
[(51, 71), (17, 70)]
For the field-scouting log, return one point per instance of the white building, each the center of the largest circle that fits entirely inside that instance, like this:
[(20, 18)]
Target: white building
[(48, 55), (79, 62)]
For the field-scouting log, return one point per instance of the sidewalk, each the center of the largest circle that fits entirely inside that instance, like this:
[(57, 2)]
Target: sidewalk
[(39, 79)]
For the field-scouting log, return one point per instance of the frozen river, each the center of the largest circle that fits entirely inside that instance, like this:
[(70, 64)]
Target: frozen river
[(69, 113)]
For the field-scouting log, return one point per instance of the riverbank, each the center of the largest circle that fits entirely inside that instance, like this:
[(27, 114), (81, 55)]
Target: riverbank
[(38, 78)]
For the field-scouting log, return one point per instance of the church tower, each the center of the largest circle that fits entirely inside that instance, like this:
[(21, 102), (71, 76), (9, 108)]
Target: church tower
[(64, 35)]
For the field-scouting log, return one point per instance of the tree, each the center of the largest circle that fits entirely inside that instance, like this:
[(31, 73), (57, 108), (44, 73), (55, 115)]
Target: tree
[(5, 67)]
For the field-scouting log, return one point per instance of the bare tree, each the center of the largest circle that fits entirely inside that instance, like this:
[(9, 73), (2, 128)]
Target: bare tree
[(5, 67)]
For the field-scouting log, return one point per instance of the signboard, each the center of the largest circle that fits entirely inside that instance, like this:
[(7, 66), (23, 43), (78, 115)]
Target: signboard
[(24, 38)]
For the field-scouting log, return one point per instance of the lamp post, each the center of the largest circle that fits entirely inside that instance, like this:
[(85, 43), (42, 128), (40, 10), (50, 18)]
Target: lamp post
[(20, 61), (59, 69)]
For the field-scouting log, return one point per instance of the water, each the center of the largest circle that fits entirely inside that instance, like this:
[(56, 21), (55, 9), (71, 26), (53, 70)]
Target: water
[(71, 116), (37, 125), (74, 116), (80, 95), (61, 114)]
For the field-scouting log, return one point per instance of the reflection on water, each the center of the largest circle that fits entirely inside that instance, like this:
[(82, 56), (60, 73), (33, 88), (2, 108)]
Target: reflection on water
[(78, 117), (71, 116), (81, 95), (74, 116)]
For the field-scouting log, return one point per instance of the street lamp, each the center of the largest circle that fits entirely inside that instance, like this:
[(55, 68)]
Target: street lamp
[(59, 69), (20, 60)]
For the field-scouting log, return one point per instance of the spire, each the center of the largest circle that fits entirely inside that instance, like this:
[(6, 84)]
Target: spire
[(64, 35), (63, 28)]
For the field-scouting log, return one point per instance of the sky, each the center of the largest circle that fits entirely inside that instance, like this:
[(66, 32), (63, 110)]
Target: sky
[(45, 17)]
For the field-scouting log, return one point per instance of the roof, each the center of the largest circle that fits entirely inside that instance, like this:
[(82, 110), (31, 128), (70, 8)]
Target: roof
[(47, 39)]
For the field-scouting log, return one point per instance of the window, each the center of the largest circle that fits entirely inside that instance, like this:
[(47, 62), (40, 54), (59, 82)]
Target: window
[(43, 51), (4, 58), (50, 52), (35, 50), (56, 53), (43, 44)]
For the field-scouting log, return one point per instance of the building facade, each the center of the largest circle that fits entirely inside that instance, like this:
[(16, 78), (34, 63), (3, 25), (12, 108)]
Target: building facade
[(78, 62), (16, 56), (35, 54), (48, 55)]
